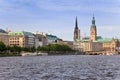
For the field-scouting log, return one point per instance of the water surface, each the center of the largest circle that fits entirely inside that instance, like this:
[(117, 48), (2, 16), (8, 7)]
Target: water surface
[(71, 67)]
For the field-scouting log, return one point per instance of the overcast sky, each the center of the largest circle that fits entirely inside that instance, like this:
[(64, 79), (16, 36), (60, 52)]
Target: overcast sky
[(57, 17)]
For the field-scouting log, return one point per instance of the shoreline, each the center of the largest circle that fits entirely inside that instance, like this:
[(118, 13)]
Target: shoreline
[(46, 54)]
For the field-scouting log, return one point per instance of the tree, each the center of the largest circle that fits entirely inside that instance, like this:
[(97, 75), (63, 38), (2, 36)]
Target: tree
[(54, 47), (2, 46), (26, 49), (15, 49), (32, 49)]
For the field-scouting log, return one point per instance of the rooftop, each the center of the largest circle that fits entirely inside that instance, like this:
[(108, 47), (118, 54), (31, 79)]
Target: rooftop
[(104, 40), (22, 33), (99, 39), (51, 37), (2, 31)]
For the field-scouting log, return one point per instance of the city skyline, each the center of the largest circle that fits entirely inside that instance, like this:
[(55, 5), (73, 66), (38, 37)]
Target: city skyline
[(58, 17)]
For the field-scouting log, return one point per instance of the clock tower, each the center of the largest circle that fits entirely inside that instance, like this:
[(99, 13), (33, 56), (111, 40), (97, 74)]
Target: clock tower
[(93, 30)]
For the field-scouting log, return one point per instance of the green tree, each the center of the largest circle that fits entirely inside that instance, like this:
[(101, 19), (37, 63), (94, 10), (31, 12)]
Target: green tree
[(2, 46), (16, 49), (32, 49), (54, 47)]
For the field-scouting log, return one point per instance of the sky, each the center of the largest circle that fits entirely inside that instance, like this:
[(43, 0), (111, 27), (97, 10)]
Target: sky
[(57, 17)]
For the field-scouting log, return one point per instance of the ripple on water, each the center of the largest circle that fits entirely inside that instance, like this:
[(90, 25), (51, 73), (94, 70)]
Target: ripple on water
[(60, 68)]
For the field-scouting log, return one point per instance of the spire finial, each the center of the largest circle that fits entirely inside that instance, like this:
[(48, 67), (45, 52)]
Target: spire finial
[(93, 17), (93, 20)]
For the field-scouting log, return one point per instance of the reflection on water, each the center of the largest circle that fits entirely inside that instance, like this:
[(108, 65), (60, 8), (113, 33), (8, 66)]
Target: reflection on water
[(72, 67)]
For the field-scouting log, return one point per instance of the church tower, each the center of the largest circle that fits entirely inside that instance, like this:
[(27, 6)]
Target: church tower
[(93, 30), (76, 31)]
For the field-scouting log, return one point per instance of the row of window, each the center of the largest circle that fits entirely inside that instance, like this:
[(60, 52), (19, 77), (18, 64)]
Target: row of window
[(16, 44), (15, 41), (15, 38)]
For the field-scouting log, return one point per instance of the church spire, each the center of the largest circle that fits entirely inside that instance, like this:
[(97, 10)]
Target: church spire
[(93, 20), (76, 31), (76, 23)]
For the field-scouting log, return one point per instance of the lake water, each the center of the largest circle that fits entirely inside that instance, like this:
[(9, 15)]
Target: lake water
[(71, 67)]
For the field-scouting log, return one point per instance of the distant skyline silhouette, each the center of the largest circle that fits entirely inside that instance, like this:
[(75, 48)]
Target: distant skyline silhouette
[(57, 17)]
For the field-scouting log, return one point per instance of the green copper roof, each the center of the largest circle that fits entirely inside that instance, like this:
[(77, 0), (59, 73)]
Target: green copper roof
[(99, 37), (22, 33), (93, 23), (51, 37), (77, 40), (104, 40), (83, 40), (93, 20)]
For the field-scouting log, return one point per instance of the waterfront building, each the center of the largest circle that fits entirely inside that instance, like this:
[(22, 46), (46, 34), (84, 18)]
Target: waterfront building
[(40, 39), (22, 39), (4, 37), (51, 39), (96, 44)]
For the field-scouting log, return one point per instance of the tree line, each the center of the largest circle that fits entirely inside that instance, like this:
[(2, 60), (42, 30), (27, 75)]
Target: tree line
[(48, 48)]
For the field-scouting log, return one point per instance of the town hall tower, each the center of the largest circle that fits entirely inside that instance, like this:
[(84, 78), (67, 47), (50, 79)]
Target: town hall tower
[(93, 30)]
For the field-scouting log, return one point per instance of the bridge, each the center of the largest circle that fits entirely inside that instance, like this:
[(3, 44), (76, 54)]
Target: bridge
[(100, 53)]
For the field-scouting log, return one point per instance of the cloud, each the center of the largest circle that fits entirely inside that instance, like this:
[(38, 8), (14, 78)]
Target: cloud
[(15, 7), (50, 14), (106, 6), (109, 31), (81, 6)]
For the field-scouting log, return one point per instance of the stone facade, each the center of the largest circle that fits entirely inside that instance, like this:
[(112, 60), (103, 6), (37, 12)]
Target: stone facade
[(4, 38), (22, 39), (40, 40)]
